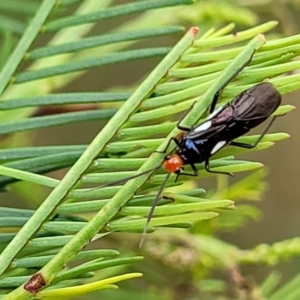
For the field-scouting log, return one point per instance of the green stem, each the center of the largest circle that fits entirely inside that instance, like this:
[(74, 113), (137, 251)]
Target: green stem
[(28, 37), (58, 194)]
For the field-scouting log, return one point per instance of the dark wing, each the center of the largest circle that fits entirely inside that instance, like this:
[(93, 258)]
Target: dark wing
[(203, 132), (256, 103), (215, 123), (250, 108)]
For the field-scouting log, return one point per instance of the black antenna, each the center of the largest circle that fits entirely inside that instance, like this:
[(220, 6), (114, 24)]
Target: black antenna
[(127, 178), (150, 215)]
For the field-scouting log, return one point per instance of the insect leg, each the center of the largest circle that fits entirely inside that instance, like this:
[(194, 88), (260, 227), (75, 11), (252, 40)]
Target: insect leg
[(168, 145), (151, 212), (220, 90), (195, 172), (184, 128), (217, 172), (250, 146)]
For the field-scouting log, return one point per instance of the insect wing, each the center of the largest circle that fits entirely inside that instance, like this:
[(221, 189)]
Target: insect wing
[(256, 103), (205, 130), (246, 111)]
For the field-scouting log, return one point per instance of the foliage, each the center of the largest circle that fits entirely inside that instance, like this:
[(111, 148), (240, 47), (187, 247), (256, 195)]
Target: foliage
[(36, 245)]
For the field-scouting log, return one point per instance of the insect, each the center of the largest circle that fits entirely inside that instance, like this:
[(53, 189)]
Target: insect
[(198, 144), (246, 111)]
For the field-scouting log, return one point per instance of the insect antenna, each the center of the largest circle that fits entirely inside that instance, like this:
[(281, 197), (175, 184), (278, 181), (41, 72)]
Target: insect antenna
[(150, 215), (128, 178)]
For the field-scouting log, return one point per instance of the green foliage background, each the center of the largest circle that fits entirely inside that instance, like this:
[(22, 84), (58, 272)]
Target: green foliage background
[(47, 48)]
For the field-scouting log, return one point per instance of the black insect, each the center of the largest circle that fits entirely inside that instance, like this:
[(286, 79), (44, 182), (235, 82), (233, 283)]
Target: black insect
[(246, 111), (198, 144)]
